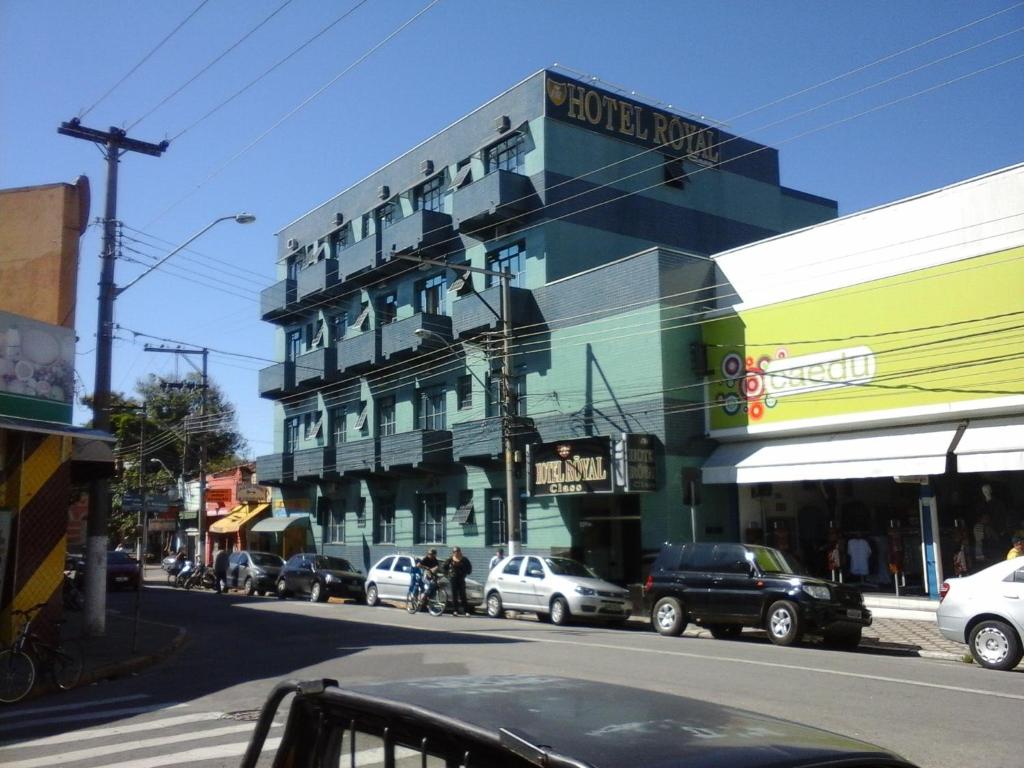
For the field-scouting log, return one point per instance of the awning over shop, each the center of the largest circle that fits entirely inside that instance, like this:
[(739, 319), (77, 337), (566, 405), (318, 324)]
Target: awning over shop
[(279, 524), (238, 517), (918, 450), (991, 445), (55, 428)]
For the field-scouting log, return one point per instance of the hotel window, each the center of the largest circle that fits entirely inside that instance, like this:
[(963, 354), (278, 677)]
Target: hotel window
[(339, 241), (464, 390), (336, 522), (362, 421), (386, 215), (362, 322), (386, 416), (313, 425), (383, 521), (432, 408), (292, 267), (495, 401), (293, 345), (430, 194), (314, 334), (291, 434), (507, 155), (338, 324), (387, 308), (366, 229), (511, 258), (496, 527), (431, 295), (339, 425), (430, 527)]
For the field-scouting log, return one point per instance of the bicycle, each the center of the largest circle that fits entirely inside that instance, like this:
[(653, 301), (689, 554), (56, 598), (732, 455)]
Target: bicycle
[(64, 661), (435, 600)]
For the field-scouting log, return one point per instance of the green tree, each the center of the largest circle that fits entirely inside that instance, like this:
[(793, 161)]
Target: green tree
[(174, 432)]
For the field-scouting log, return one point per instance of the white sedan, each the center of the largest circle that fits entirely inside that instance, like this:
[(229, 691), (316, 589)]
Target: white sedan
[(986, 611), (553, 587), (389, 579)]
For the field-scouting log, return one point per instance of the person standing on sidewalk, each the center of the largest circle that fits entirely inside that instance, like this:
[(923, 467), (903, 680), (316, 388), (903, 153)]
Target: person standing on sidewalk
[(220, 570), (498, 557), (458, 568)]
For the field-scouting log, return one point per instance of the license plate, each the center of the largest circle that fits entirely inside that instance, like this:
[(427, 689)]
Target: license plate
[(120, 578), (852, 613)]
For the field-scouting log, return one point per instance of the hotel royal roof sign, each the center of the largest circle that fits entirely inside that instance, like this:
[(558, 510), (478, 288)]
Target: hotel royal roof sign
[(589, 465), (604, 112)]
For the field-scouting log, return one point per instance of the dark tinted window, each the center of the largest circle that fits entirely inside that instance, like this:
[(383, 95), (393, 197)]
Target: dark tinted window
[(564, 567), (332, 563), (235, 558), (294, 561), (668, 558), (534, 569), (403, 565), (1017, 576), (119, 557), (699, 557), (512, 566), (731, 558), (264, 558), (773, 561)]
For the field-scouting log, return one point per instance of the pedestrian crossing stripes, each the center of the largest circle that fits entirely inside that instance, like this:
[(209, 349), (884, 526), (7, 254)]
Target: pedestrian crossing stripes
[(144, 735)]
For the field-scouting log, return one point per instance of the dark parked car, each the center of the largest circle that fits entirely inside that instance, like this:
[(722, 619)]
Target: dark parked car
[(253, 572), (725, 587), (320, 577), (533, 720), (122, 571)]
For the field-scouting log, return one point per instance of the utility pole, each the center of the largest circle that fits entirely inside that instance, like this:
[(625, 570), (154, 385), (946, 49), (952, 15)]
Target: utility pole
[(508, 418), (142, 525), (113, 143), (200, 542)]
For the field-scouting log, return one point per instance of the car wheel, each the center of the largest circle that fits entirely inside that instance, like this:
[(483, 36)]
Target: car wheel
[(250, 588), (846, 639), (994, 645), (494, 607), (282, 592), (784, 625), (668, 617), (372, 598), (724, 631), (317, 594), (560, 615)]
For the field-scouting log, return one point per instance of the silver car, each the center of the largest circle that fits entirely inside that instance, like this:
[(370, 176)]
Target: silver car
[(553, 587), (986, 611), (389, 579)]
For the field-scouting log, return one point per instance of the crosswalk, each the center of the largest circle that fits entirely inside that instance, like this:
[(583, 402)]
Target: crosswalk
[(126, 732)]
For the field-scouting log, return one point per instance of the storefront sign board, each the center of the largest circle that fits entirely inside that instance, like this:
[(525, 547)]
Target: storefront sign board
[(570, 467)]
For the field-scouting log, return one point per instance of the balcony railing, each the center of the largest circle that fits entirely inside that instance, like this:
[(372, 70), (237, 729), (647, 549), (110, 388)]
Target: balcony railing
[(358, 258), (416, 448), (277, 379), (316, 279), (476, 312), (274, 469), (275, 300), (477, 442), (399, 339), (497, 197), (357, 353), (418, 231), (357, 456), (312, 463), (315, 367)]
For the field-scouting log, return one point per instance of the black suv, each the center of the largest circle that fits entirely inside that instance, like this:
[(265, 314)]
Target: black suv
[(725, 587)]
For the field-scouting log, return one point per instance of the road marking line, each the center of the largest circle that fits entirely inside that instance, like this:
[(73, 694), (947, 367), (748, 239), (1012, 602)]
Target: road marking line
[(113, 749), (95, 715), (37, 710), (117, 730), (190, 756)]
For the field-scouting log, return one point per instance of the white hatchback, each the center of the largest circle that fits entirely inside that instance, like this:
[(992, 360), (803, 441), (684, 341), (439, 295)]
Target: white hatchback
[(553, 587), (986, 611)]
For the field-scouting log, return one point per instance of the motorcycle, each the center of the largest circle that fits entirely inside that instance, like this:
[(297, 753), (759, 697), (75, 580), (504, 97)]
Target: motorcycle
[(178, 579), (200, 578)]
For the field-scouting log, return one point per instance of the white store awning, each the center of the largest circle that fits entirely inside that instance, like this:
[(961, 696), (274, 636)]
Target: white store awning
[(992, 445), (917, 450)]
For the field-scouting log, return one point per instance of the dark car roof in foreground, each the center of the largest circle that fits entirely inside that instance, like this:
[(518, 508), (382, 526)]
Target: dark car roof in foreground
[(611, 725)]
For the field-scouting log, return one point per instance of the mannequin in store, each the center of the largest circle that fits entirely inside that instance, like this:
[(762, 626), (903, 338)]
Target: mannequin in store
[(859, 551), (995, 508)]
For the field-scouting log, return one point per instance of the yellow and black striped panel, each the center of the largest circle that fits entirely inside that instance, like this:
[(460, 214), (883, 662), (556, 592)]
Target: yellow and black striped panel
[(35, 484)]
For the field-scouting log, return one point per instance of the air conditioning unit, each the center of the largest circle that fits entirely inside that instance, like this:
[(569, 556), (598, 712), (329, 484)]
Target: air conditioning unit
[(427, 167), (502, 124), (292, 243), (383, 192), (339, 219)]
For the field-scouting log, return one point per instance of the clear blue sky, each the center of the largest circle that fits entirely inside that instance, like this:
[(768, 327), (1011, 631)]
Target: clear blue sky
[(849, 140)]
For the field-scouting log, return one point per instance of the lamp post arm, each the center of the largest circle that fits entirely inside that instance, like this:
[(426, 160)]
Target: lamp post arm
[(121, 289)]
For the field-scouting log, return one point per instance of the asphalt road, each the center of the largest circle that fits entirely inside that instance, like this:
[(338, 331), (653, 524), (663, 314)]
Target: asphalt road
[(196, 707)]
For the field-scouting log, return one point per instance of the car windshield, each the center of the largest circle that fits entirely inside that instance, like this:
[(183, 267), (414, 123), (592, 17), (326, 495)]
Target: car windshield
[(561, 566), (774, 561), (119, 557), (264, 558), (333, 563)]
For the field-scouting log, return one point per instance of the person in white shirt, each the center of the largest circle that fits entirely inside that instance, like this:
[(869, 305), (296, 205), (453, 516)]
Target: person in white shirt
[(498, 557)]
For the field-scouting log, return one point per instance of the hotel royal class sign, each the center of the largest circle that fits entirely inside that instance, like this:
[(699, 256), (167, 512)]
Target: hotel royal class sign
[(591, 465), (608, 113)]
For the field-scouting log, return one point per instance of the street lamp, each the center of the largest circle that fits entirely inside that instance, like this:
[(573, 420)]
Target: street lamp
[(99, 491), (505, 316)]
